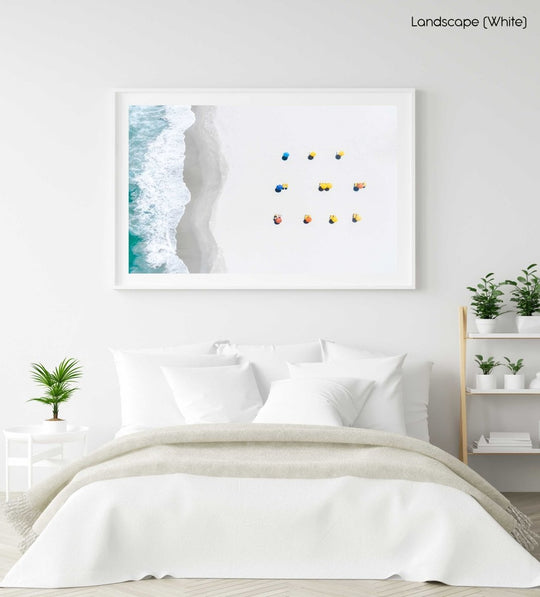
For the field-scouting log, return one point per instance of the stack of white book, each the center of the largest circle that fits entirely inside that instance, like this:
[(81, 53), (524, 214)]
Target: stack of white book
[(504, 441)]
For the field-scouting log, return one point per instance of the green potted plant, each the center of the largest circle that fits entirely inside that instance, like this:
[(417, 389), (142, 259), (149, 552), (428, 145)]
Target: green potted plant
[(525, 295), (58, 387), (514, 380), (486, 303), (486, 380)]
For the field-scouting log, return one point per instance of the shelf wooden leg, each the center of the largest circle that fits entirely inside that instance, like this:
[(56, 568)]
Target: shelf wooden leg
[(463, 384)]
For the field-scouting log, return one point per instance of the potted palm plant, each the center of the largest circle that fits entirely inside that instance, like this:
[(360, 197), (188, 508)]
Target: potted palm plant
[(526, 296), (514, 380), (58, 387), (486, 380), (486, 303)]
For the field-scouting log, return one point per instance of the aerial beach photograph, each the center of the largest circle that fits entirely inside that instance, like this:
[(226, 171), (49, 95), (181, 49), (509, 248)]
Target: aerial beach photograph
[(278, 182)]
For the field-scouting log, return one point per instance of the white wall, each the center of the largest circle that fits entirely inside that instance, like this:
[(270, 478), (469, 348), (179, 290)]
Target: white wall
[(478, 142)]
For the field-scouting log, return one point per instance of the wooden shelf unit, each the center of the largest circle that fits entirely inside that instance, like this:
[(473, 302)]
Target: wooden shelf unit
[(465, 392)]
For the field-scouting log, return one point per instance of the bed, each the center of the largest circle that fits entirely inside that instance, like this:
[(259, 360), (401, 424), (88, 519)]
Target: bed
[(302, 461)]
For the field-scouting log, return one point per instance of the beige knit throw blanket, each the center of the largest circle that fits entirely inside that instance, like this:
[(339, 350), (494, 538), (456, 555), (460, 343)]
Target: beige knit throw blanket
[(256, 450)]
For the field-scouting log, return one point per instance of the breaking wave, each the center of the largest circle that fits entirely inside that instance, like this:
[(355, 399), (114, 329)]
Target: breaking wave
[(158, 194)]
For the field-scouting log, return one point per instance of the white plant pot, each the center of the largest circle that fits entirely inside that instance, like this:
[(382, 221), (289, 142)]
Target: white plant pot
[(50, 426), (535, 382), (514, 382), (528, 324), (486, 382), (486, 326)]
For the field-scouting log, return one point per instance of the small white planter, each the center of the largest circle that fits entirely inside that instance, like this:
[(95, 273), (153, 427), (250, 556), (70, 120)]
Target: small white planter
[(486, 326), (52, 426), (528, 324), (486, 382), (535, 383), (514, 382)]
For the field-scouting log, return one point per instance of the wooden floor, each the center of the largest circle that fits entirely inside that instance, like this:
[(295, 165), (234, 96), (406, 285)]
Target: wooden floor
[(528, 502)]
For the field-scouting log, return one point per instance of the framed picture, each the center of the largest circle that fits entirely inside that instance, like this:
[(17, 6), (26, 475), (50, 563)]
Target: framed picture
[(265, 188)]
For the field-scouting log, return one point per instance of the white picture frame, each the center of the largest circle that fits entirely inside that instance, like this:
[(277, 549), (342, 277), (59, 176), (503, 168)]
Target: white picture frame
[(400, 274)]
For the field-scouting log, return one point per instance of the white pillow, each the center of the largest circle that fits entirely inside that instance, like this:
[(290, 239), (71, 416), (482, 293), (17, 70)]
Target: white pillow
[(217, 395), (316, 401), (269, 361), (416, 381), (146, 399), (384, 407)]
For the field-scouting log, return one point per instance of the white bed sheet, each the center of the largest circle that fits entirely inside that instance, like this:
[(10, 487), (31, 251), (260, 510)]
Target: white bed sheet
[(195, 526)]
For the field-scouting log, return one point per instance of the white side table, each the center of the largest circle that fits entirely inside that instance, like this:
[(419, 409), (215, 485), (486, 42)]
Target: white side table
[(33, 435)]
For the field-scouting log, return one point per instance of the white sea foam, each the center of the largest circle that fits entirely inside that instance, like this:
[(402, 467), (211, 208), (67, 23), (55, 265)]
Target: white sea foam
[(163, 195)]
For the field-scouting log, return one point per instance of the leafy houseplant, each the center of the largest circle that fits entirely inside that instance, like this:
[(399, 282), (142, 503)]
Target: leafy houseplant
[(525, 295), (486, 366), (58, 387), (516, 367), (486, 302), (486, 381), (514, 380)]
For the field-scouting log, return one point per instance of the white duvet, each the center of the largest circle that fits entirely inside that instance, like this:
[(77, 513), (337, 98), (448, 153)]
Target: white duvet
[(185, 526)]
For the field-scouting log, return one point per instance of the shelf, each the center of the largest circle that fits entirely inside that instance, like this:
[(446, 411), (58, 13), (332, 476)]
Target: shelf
[(466, 450), (503, 336), (475, 451), (502, 392)]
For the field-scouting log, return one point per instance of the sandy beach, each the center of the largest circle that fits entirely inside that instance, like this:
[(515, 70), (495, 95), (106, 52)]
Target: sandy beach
[(205, 171)]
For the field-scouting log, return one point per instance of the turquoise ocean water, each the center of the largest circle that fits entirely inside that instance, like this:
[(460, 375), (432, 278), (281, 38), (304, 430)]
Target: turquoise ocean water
[(157, 192)]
